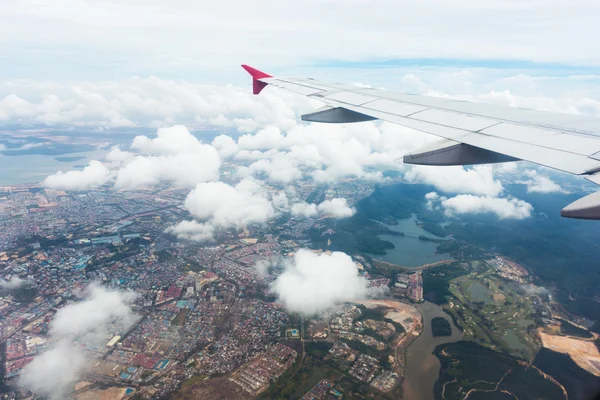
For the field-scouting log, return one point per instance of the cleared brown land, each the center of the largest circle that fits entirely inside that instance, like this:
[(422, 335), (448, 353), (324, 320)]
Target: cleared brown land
[(115, 393), (583, 352)]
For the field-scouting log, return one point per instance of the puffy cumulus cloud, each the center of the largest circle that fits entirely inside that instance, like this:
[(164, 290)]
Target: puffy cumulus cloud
[(229, 206), (175, 156), (174, 140), (118, 156), (477, 180), (85, 323), (225, 146), (532, 290), (328, 152), (94, 175), (503, 208), (540, 184), (183, 170), (335, 208), (303, 209), (432, 196), (312, 282), (281, 168), (193, 230), (432, 200), (147, 102), (221, 206)]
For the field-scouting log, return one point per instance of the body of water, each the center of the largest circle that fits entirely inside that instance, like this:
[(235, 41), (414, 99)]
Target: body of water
[(480, 293), (422, 367), (409, 251), (35, 168)]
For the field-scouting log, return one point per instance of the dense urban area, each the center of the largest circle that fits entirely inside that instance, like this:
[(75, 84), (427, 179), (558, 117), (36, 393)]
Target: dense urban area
[(207, 325)]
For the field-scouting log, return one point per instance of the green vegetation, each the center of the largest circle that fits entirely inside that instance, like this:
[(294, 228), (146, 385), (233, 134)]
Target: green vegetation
[(352, 235), (436, 281), (181, 316), (467, 366), (558, 250), (311, 372), (435, 228), (492, 313), (567, 328), (578, 383), (440, 327), (317, 195)]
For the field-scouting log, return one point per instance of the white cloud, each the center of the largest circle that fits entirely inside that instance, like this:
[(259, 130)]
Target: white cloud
[(53, 372), (477, 180), (94, 175), (175, 156), (193, 230), (503, 208), (221, 206), (303, 209), (327, 152), (316, 282), (183, 170), (336, 208), (174, 140), (147, 102), (225, 145), (118, 156), (541, 184), (14, 283)]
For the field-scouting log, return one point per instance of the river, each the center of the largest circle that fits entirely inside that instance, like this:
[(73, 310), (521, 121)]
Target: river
[(422, 367)]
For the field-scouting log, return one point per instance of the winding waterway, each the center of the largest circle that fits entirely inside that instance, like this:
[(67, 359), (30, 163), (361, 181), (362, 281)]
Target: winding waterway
[(422, 367)]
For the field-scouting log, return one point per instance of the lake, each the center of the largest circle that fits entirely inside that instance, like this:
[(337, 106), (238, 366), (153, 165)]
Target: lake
[(422, 367), (409, 251)]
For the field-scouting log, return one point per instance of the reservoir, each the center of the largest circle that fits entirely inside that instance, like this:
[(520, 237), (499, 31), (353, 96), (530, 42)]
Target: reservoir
[(409, 251), (422, 367)]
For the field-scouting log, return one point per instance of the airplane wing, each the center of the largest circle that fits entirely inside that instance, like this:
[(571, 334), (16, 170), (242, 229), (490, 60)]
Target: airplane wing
[(470, 133)]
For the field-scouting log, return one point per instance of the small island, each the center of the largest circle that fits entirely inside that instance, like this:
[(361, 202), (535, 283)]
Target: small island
[(69, 159), (440, 327)]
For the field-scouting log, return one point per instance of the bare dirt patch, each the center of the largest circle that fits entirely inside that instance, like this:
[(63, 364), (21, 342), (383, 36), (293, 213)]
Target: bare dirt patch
[(583, 352)]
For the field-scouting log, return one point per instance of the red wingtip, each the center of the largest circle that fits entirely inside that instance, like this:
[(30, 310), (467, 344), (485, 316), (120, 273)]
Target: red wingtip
[(257, 85), (256, 74)]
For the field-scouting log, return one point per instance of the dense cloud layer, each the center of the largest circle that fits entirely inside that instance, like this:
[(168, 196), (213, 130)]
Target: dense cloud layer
[(503, 208), (53, 372), (477, 180), (94, 175), (312, 282), (175, 157)]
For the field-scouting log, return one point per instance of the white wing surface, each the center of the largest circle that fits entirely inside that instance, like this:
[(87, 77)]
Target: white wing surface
[(470, 133)]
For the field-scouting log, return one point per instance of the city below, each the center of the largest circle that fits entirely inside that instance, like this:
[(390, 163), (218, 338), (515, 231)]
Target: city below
[(206, 322)]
